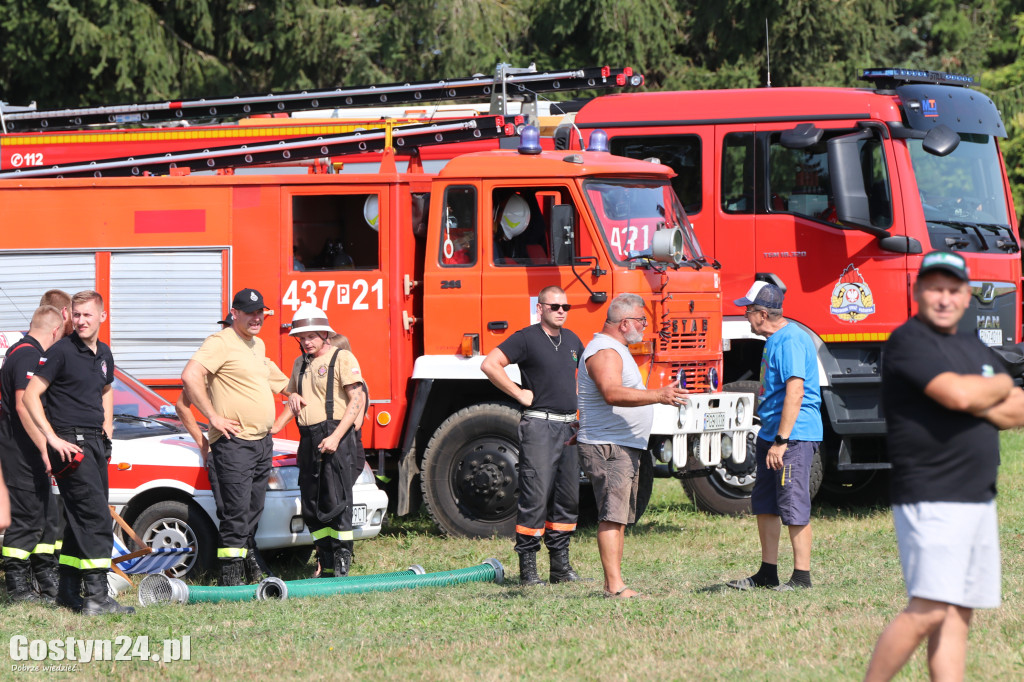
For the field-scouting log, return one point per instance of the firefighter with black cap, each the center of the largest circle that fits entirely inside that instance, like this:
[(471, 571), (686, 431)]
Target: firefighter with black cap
[(78, 422), (232, 383), (28, 549), (329, 401)]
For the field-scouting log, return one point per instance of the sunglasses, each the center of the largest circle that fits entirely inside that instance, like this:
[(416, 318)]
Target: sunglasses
[(558, 306)]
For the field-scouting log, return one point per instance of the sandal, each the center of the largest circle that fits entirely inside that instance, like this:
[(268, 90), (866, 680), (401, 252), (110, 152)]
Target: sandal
[(620, 595)]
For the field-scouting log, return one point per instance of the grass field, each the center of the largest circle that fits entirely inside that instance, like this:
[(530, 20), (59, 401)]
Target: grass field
[(688, 629)]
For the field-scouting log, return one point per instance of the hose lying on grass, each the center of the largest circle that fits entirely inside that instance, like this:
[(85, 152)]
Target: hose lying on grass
[(273, 588), (157, 588)]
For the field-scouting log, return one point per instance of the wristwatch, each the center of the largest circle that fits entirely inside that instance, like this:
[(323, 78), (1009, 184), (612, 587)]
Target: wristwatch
[(779, 440)]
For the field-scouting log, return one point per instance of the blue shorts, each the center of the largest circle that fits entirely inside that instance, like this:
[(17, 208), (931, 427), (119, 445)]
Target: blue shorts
[(784, 492)]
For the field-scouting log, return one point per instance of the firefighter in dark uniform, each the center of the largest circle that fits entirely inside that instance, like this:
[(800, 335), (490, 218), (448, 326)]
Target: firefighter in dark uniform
[(232, 383), (326, 382), (29, 542), (549, 473), (78, 422)]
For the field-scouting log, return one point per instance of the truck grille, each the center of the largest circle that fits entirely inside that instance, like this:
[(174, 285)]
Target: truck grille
[(696, 375), (683, 333)]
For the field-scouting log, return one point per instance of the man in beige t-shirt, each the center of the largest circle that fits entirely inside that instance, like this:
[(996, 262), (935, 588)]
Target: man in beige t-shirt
[(232, 382), (328, 397)]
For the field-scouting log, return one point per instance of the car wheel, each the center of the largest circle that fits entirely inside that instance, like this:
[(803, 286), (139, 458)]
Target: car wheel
[(177, 524)]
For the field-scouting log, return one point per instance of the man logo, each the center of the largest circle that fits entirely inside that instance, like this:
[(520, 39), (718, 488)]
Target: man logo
[(252, 296)]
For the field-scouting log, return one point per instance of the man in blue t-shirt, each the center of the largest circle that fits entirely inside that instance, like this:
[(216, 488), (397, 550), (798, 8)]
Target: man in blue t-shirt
[(789, 407)]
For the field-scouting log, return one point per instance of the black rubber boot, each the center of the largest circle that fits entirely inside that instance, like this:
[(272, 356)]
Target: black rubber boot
[(342, 561), (528, 569), (98, 601), (561, 570), (256, 568), (232, 572), (325, 558), (44, 568), (18, 576), (69, 588)]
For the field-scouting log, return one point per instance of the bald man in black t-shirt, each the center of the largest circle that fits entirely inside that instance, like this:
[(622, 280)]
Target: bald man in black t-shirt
[(549, 473)]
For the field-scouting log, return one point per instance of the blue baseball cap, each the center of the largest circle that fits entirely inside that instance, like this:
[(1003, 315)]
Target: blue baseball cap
[(763, 294)]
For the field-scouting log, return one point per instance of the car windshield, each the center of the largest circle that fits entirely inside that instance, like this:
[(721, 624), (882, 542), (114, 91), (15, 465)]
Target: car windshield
[(629, 212), (138, 411), (963, 196)]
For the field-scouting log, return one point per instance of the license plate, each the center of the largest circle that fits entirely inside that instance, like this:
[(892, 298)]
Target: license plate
[(991, 337), (358, 515), (714, 421)]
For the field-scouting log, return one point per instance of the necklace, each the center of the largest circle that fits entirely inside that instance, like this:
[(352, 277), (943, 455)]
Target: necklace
[(556, 345)]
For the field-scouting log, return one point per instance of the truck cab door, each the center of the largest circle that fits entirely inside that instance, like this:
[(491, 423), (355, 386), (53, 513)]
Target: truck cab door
[(451, 280), (527, 250), (334, 257), (838, 280)]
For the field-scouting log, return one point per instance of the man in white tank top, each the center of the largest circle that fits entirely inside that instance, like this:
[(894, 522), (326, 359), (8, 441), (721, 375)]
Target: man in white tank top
[(615, 424)]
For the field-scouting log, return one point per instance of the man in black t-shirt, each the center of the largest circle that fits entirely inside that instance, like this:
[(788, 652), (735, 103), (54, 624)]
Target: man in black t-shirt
[(29, 542), (945, 396), (549, 470), (78, 422)]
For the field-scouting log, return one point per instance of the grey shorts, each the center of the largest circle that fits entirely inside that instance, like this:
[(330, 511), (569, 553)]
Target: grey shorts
[(784, 492), (950, 552), (613, 470)]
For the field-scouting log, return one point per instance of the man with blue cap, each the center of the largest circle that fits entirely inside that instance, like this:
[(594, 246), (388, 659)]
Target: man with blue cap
[(789, 408)]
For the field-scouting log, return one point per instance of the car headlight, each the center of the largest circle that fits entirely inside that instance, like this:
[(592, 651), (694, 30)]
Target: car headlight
[(284, 478), (741, 411), (366, 476)]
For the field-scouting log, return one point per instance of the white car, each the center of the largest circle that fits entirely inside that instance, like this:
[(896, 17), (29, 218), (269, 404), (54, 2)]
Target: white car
[(160, 489)]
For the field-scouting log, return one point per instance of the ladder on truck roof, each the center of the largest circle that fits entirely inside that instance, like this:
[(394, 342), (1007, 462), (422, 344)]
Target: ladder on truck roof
[(281, 152), (507, 84)]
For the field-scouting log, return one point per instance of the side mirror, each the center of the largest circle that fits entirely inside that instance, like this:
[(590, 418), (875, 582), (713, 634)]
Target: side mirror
[(940, 140), (851, 195), (804, 135), (563, 230)]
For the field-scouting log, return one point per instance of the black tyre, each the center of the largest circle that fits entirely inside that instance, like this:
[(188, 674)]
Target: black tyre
[(727, 490), (177, 524), (469, 474)]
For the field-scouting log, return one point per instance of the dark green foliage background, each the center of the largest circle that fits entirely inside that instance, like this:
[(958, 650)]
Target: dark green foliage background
[(88, 52)]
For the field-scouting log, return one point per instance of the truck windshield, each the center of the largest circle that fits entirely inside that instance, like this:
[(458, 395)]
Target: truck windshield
[(963, 196), (629, 212)]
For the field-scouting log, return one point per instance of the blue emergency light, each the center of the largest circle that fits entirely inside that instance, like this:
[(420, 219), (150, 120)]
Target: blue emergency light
[(529, 140), (889, 76), (598, 141)]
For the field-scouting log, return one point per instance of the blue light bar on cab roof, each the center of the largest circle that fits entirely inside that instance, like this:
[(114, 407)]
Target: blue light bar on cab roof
[(889, 75)]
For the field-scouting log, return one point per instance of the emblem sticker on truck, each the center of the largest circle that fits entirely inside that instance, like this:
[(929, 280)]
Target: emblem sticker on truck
[(852, 300)]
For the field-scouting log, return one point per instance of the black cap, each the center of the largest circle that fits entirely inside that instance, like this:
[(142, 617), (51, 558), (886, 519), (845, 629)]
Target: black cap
[(228, 320), (248, 301), (947, 262)]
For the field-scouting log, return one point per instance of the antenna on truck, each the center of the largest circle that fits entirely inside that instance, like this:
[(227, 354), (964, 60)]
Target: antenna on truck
[(768, 52)]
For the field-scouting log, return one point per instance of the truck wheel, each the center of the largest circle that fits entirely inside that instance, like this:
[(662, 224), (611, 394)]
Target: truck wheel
[(727, 489), (470, 478), (176, 524)]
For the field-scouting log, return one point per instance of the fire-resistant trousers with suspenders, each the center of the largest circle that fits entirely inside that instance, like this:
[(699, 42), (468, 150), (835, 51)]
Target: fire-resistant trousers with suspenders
[(326, 479)]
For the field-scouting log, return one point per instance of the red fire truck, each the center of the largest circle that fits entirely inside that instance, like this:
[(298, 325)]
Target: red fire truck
[(833, 194), (406, 264)]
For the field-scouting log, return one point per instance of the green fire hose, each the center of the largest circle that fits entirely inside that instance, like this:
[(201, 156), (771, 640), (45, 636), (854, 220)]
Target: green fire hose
[(159, 588), (273, 588)]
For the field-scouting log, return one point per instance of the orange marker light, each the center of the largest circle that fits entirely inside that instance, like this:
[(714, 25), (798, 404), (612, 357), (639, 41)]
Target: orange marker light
[(383, 418)]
